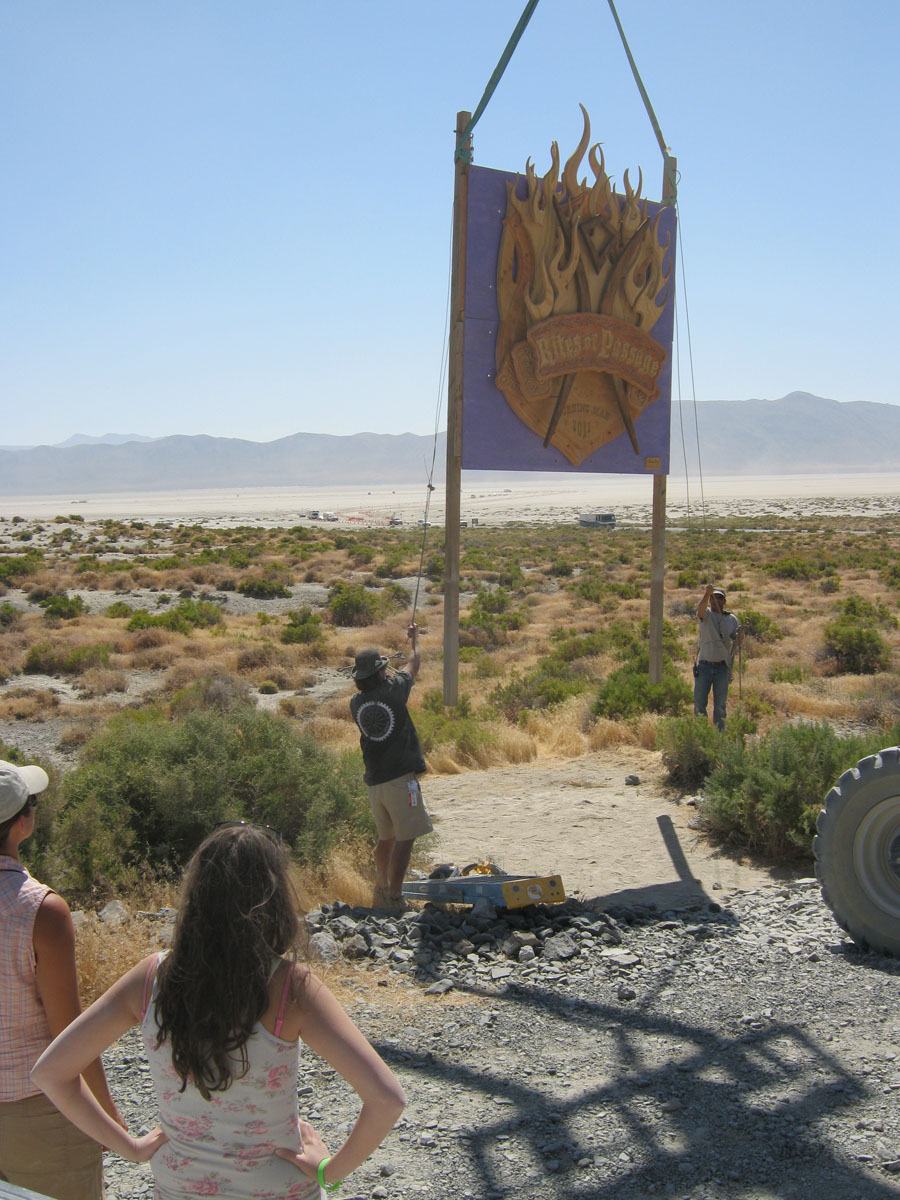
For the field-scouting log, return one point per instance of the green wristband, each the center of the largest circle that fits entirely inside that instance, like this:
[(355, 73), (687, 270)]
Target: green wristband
[(320, 1175)]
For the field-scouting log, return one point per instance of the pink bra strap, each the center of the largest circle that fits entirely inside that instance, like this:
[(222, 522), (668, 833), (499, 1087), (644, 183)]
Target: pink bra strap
[(148, 981), (284, 996)]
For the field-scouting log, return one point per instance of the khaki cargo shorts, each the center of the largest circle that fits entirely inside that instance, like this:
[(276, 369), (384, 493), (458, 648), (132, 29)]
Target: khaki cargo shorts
[(395, 816), (42, 1151)]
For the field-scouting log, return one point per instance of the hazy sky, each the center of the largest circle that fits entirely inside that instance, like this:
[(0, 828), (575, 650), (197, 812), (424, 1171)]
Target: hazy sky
[(233, 217)]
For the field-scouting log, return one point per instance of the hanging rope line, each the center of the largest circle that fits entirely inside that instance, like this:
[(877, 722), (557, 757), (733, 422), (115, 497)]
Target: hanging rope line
[(461, 152), (442, 379), (671, 177), (687, 320), (687, 475)]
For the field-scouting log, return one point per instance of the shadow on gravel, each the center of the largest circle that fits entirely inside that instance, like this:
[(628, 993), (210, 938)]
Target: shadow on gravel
[(680, 1108)]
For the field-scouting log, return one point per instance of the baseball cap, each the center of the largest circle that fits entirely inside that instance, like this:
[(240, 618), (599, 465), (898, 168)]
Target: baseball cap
[(17, 784)]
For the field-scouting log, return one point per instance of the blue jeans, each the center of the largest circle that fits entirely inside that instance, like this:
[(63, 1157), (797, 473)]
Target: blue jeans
[(715, 675)]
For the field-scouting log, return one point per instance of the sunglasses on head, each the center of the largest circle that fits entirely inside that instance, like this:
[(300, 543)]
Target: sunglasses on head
[(272, 834)]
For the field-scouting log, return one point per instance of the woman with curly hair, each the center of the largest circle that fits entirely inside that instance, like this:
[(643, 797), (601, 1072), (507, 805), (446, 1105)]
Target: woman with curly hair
[(222, 1017)]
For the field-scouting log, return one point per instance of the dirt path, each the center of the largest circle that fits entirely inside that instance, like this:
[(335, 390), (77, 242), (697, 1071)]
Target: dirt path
[(580, 820)]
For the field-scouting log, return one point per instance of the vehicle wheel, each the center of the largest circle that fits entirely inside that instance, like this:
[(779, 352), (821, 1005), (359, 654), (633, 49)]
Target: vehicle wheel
[(857, 849)]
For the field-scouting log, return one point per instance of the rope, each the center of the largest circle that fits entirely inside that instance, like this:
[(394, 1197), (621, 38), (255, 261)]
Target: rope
[(687, 319), (461, 152), (442, 377), (687, 477), (667, 161)]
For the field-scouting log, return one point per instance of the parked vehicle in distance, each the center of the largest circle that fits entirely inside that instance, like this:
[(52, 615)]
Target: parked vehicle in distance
[(314, 515), (395, 521), (605, 520), (330, 516)]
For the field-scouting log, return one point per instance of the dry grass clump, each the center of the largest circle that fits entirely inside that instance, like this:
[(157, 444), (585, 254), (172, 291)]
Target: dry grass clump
[(339, 734), (515, 745), (75, 735), (557, 732), (100, 681), (347, 875), (181, 675), (104, 952), (28, 704), (155, 658)]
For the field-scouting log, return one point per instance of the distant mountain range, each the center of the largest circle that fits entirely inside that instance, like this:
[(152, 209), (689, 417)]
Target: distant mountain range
[(798, 434)]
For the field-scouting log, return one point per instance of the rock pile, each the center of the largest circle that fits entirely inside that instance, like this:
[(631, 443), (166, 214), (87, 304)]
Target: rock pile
[(442, 948)]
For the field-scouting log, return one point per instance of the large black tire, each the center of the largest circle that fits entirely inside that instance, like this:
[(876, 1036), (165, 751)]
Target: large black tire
[(857, 849)]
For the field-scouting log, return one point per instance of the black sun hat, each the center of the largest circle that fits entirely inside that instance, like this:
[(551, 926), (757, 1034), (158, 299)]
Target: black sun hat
[(368, 662)]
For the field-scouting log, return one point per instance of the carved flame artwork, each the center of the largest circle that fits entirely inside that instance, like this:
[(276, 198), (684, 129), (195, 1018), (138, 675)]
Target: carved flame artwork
[(580, 285)]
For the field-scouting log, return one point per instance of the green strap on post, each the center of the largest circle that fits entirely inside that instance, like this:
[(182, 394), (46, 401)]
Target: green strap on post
[(461, 151)]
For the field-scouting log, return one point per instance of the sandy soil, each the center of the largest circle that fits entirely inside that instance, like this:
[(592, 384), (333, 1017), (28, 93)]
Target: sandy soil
[(580, 820), (534, 500)]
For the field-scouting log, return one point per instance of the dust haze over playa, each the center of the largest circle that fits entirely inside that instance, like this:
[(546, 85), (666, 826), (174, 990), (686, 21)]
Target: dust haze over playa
[(800, 446)]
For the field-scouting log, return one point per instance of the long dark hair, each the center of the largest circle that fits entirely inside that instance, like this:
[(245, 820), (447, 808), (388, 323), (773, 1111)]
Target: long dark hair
[(238, 912)]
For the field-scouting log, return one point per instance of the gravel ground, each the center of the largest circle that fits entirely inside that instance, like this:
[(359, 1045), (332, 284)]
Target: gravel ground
[(747, 1052)]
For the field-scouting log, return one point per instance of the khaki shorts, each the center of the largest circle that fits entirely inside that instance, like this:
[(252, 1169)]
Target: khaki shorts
[(394, 816), (42, 1151)]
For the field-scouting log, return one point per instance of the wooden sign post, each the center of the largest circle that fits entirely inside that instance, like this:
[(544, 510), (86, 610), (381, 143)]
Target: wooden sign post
[(658, 533), (454, 415)]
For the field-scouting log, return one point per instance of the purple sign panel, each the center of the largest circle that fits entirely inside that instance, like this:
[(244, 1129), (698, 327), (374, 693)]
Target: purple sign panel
[(568, 325)]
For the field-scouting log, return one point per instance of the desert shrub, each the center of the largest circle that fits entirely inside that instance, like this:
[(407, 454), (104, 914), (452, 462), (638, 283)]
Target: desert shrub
[(792, 567), (595, 589), (688, 579), (9, 615), (434, 568), (560, 567), (61, 606), (855, 648), (511, 577), (485, 666), (781, 673), (303, 626), (758, 626), (691, 749), (456, 727), (118, 608), (393, 598), (490, 618), (16, 566), (263, 589), (567, 647), (351, 604), (45, 658), (857, 608), (186, 616), (547, 684), (628, 692), (768, 793), (152, 784)]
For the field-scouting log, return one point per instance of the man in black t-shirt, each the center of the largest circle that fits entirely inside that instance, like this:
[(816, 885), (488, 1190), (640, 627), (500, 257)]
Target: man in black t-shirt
[(393, 759)]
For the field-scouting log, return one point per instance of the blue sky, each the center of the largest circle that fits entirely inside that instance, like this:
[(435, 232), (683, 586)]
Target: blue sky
[(233, 218)]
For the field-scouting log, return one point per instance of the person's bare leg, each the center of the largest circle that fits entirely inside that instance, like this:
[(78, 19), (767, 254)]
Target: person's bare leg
[(400, 857), (384, 848)]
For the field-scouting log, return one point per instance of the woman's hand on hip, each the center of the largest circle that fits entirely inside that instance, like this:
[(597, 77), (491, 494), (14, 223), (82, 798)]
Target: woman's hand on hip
[(313, 1150), (145, 1147)]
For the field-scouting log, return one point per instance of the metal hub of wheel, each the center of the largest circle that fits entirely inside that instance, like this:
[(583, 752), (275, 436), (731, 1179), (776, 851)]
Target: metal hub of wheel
[(876, 855)]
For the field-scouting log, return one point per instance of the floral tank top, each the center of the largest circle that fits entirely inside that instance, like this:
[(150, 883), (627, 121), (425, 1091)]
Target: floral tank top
[(225, 1146)]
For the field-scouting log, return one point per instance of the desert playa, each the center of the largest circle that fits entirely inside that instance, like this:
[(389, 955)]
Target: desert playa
[(492, 501)]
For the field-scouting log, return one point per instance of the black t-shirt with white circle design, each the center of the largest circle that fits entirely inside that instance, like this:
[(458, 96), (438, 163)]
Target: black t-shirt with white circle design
[(387, 737)]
